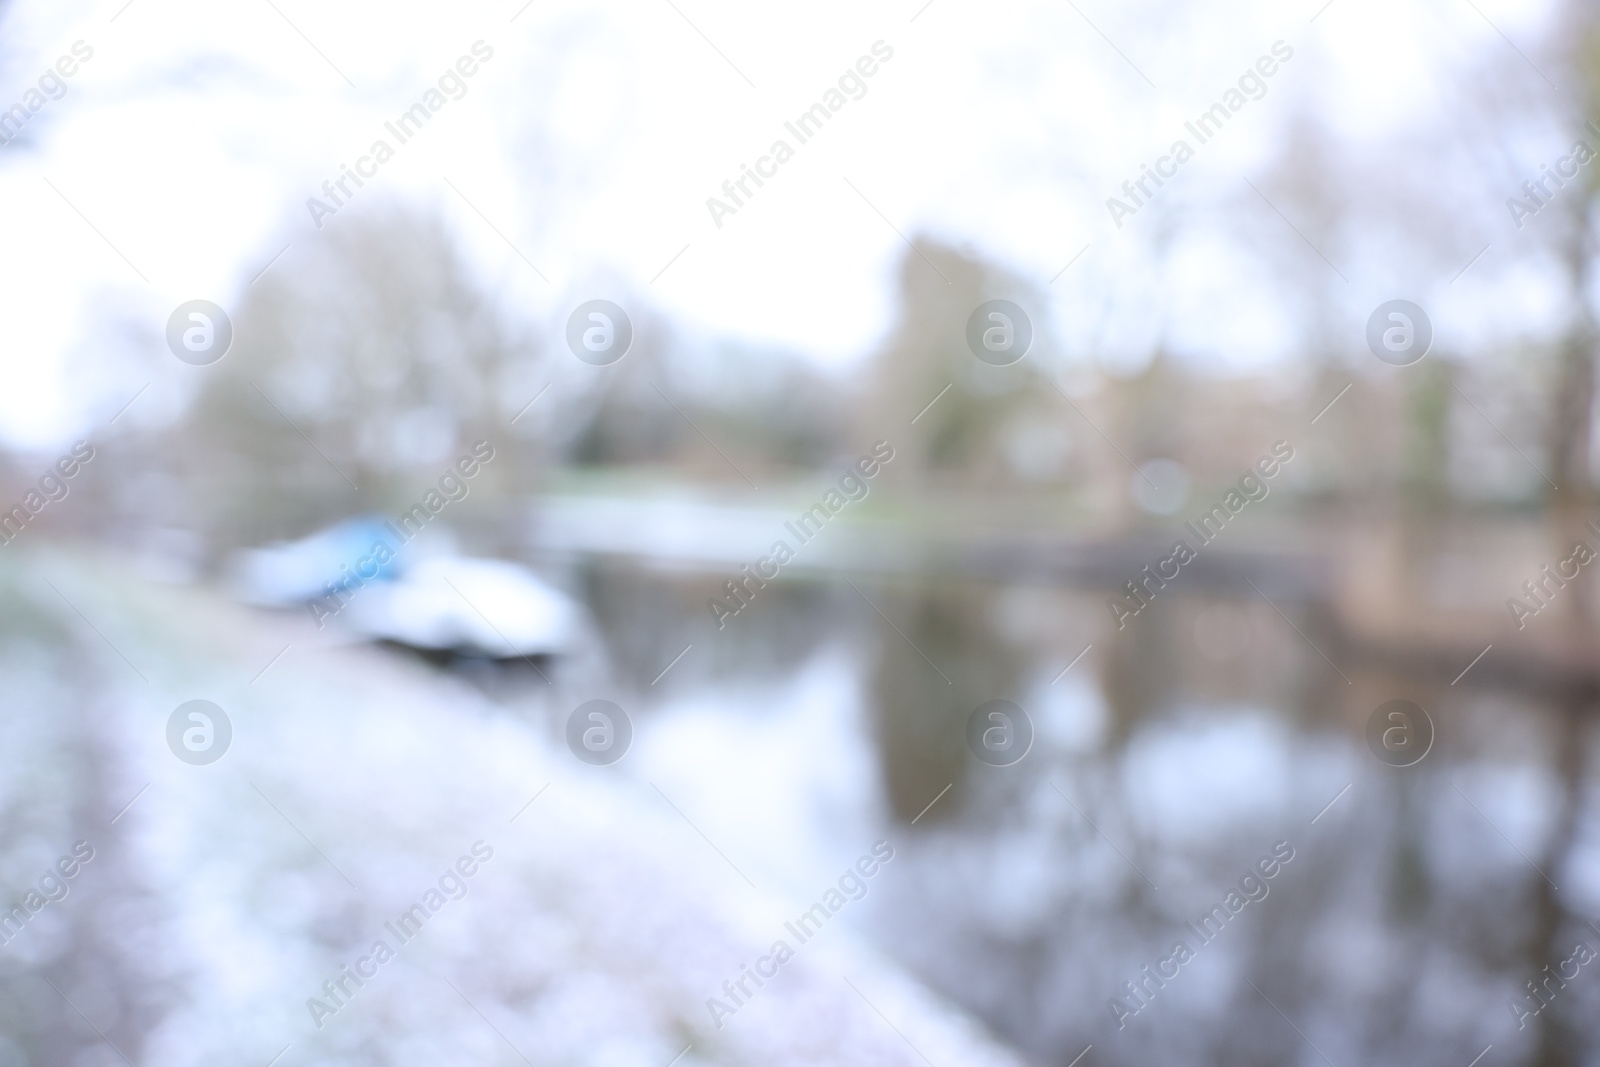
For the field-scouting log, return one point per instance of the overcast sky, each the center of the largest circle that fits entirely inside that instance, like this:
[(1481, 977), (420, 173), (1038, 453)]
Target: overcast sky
[(592, 138)]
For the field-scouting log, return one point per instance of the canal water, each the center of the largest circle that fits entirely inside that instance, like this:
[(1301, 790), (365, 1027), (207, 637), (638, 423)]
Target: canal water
[(1112, 888)]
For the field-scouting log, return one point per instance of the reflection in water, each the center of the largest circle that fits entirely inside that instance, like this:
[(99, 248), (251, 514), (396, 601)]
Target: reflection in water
[(1174, 756), (937, 657)]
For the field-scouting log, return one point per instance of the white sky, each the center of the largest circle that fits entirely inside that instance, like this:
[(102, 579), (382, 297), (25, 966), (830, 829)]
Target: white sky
[(594, 136)]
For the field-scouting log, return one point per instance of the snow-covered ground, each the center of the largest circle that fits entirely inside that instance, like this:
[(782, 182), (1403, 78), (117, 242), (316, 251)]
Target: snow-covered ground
[(612, 907)]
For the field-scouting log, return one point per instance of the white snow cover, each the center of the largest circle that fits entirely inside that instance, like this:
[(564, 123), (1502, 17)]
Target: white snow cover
[(593, 935)]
